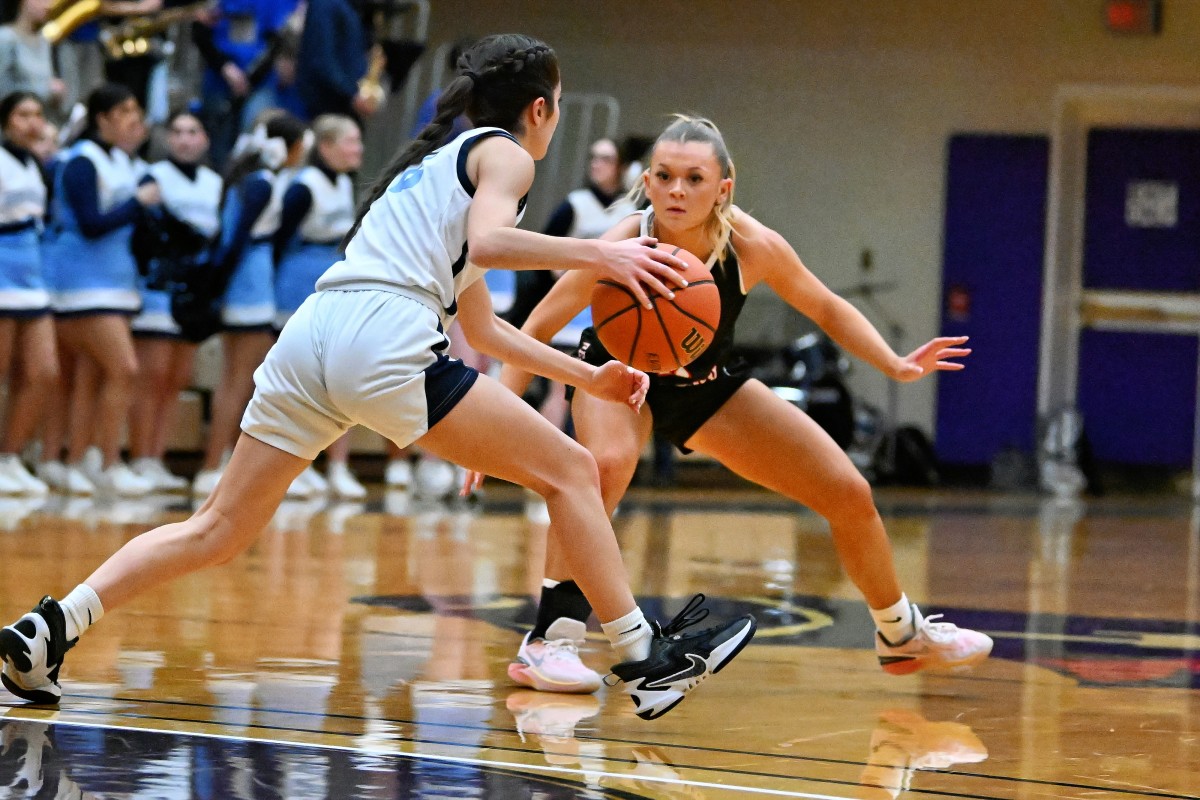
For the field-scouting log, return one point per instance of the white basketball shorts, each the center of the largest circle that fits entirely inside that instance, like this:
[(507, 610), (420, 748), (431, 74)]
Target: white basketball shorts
[(357, 357)]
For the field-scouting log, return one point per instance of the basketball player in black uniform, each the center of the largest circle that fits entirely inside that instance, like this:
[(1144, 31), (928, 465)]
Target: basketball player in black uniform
[(738, 421)]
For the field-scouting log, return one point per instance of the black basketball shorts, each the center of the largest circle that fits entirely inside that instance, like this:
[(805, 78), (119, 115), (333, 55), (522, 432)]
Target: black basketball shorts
[(679, 406)]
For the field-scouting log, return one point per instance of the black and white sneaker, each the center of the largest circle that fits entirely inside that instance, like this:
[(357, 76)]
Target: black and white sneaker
[(32, 649), (678, 662)]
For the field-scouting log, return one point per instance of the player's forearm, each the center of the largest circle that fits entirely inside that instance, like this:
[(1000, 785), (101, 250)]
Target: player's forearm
[(519, 352), (853, 332), (515, 249)]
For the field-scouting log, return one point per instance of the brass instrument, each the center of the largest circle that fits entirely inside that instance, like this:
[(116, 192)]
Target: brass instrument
[(132, 37), (370, 88), (65, 16)]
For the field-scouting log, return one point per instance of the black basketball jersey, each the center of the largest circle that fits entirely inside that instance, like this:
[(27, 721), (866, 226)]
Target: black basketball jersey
[(727, 276)]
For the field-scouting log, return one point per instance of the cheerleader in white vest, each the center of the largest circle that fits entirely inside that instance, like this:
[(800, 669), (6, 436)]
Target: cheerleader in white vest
[(26, 327), (263, 166), (191, 196), (93, 283), (318, 210)]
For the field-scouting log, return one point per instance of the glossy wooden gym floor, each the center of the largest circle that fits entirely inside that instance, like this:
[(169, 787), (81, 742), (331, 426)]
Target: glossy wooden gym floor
[(360, 651)]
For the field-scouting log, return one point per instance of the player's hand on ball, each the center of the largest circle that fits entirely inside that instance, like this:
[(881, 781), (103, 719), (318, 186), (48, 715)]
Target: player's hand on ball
[(635, 264), (620, 384), (933, 357)]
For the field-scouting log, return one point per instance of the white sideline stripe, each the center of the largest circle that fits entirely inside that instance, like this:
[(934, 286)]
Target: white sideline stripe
[(516, 766)]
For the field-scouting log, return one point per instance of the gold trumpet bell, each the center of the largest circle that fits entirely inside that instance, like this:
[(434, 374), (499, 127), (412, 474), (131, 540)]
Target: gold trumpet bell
[(66, 16)]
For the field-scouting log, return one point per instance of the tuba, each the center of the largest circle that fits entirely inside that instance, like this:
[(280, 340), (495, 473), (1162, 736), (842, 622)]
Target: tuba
[(65, 16), (132, 37)]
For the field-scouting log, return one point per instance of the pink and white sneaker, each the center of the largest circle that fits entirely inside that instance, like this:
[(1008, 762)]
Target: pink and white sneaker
[(552, 664), (934, 645)]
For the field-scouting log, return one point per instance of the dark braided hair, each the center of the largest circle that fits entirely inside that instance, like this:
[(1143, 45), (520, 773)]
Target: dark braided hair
[(497, 78)]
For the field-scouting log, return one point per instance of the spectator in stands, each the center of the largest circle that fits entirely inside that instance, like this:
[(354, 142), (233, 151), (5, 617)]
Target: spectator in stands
[(176, 238), (250, 215), (238, 44), (26, 326), (332, 60), (428, 108), (92, 276), (25, 58)]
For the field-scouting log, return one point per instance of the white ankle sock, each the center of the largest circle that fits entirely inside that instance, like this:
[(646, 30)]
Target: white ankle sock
[(630, 635), (895, 622), (82, 609)]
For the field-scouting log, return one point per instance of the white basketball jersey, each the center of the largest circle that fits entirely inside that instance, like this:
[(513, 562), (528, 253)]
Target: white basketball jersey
[(332, 211), (592, 218), (22, 190), (415, 234), (196, 202)]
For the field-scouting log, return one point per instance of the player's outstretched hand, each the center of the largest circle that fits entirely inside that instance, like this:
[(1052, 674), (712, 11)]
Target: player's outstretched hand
[(932, 357), (636, 265), (620, 384)]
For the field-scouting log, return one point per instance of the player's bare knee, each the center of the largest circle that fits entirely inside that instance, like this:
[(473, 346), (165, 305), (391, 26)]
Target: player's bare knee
[(216, 536), (576, 470), (615, 466), (852, 499)]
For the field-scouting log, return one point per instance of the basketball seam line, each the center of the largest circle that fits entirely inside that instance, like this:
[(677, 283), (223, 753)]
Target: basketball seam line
[(637, 334), (691, 316), (666, 335), (609, 319), (627, 309)]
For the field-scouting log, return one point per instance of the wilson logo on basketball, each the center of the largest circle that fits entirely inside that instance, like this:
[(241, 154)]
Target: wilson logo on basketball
[(669, 334)]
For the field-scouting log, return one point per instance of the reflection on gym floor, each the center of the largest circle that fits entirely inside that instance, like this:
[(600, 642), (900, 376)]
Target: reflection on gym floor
[(359, 651)]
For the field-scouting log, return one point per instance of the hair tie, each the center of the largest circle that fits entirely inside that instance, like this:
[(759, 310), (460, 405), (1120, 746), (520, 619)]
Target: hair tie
[(273, 150)]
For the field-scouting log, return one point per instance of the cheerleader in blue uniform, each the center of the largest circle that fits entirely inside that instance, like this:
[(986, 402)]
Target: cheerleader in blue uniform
[(94, 290), (182, 233), (318, 209), (26, 327), (254, 187)]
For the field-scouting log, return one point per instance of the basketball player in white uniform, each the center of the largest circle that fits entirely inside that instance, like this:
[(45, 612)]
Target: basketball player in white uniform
[(368, 348)]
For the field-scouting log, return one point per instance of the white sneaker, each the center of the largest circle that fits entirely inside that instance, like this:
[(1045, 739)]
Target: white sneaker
[(156, 472), (9, 483), (315, 480), (75, 482), (92, 463), (121, 480), (399, 473), (11, 466), (53, 473), (343, 483), (302, 488), (552, 664), (397, 502), (933, 645), (205, 482), (434, 478)]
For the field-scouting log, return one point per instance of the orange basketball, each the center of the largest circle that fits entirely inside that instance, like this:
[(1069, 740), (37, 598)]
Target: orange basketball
[(671, 335)]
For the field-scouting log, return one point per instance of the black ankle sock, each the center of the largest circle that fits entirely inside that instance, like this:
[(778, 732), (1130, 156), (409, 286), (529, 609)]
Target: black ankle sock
[(564, 600)]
